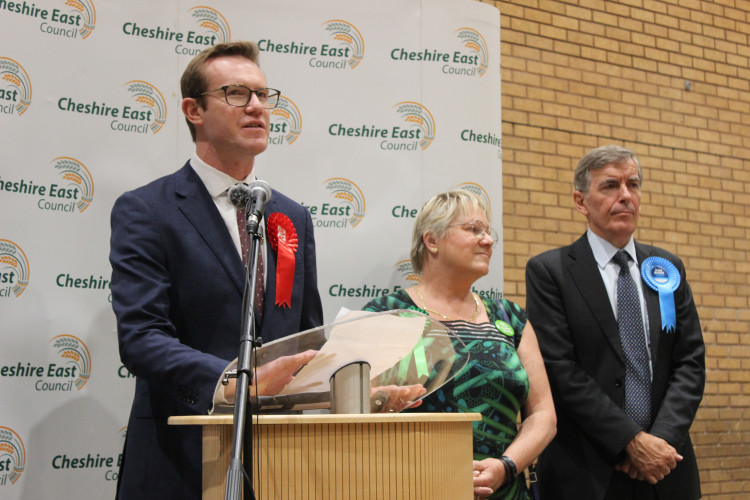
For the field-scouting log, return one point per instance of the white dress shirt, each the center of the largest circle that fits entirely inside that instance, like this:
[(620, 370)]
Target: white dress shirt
[(218, 183)]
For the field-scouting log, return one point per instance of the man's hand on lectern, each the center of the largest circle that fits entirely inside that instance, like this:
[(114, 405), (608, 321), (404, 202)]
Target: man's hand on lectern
[(272, 377)]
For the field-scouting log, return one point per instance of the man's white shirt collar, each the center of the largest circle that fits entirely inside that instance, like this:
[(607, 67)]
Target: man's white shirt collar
[(216, 181), (604, 250)]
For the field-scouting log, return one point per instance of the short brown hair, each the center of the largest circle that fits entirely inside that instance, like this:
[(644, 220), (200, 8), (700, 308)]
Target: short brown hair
[(193, 81)]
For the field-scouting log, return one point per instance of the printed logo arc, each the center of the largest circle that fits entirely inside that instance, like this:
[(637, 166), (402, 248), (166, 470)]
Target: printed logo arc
[(473, 41), (421, 123), (349, 38), (215, 26), (15, 88), (347, 208), (78, 177), (287, 124), (476, 189), (152, 105), (14, 270), (76, 356), (12, 456)]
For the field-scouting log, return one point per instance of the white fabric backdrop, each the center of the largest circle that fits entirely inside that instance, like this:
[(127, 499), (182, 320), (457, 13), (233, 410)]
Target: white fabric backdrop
[(89, 108)]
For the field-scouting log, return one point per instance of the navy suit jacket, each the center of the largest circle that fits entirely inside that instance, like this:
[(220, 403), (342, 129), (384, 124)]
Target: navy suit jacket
[(570, 310), (177, 286)]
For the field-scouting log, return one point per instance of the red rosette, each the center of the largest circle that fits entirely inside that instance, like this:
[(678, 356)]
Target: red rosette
[(283, 239)]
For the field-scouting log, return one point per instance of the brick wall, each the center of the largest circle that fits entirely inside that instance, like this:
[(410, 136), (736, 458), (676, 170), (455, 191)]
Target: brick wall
[(670, 80)]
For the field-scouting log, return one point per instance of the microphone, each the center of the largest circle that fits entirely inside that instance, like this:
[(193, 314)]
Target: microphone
[(254, 198), (239, 195)]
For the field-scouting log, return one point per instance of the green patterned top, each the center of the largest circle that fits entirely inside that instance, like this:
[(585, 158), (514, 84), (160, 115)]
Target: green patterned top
[(493, 382)]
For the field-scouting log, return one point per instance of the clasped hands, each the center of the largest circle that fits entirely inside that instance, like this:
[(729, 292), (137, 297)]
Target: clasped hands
[(648, 458)]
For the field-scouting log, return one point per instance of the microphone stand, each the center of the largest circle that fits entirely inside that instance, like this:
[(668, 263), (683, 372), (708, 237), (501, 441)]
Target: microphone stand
[(248, 342)]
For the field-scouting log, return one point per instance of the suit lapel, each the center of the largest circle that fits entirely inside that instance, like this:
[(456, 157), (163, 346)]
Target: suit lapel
[(587, 278), (652, 304), (280, 319), (199, 209), (273, 317)]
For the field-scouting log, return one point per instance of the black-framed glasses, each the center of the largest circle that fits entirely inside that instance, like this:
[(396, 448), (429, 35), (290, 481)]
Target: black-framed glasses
[(239, 95), (478, 229)]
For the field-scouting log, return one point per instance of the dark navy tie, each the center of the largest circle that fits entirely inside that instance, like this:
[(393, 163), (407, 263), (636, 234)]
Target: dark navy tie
[(632, 336)]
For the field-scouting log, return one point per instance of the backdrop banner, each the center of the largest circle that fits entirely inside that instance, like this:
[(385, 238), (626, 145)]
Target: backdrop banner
[(383, 105)]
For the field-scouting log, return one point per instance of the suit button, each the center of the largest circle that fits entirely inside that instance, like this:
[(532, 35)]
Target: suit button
[(618, 383)]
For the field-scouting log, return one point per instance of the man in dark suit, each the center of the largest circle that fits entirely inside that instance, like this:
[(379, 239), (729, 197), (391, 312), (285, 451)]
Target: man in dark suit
[(178, 276), (625, 396)]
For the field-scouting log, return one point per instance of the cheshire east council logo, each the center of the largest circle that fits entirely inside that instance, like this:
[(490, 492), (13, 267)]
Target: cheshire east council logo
[(70, 370), (473, 41), (348, 37), (347, 209), (78, 178), (215, 27), (350, 198), (470, 60), (76, 18), (145, 112), (14, 269), (76, 356), (12, 456), (76, 191), (288, 125), (345, 52), (152, 105), (197, 29), (415, 131), (419, 119), (15, 93)]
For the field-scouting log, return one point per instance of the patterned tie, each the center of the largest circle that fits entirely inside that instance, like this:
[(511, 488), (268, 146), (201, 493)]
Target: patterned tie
[(630, 325), (245, 247)]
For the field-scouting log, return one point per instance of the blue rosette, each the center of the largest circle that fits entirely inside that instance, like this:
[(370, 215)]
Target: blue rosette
[(662, 276)]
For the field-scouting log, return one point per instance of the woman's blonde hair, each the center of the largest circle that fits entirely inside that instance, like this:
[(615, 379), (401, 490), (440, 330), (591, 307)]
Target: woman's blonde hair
[(436, 215)]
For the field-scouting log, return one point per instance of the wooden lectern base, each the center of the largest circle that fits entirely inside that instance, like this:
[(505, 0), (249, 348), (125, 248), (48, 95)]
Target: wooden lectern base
[(415, 456)]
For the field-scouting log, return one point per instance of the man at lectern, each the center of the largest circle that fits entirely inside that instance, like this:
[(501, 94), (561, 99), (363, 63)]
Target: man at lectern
[(178, 274), (452, 244)]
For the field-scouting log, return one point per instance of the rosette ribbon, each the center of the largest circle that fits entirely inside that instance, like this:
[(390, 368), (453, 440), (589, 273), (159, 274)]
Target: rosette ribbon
[(662, 276), (283, 239)]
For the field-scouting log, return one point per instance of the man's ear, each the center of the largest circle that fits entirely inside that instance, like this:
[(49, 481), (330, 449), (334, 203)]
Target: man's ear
[(579, 198), (192, 110)]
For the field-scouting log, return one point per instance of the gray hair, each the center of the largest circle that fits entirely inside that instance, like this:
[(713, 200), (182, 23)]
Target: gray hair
[(599, 158), (436, 215)]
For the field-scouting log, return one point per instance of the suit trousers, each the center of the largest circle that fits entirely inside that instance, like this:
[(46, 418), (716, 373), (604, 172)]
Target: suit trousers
[(621, 487)]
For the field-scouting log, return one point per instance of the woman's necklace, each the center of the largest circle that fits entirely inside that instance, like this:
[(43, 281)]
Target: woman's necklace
[(424, 306)]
